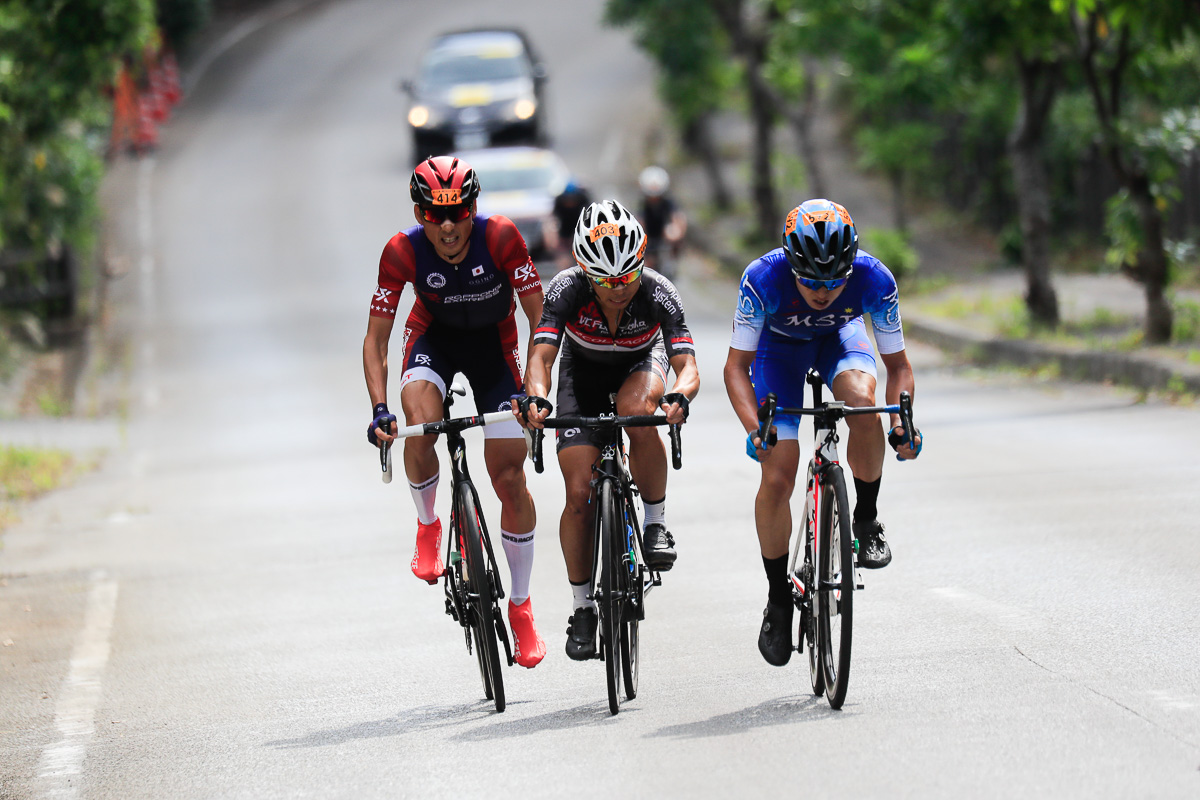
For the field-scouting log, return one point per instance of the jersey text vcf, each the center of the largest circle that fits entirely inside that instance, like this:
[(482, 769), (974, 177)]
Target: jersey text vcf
[(654, 315)]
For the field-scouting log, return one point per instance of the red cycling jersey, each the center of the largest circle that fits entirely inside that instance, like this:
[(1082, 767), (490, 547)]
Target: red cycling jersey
[(475, 293)]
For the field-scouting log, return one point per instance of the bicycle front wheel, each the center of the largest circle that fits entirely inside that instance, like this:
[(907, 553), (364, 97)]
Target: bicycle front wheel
[(612, 603), (481, 605), (835, 585), (633, 608)]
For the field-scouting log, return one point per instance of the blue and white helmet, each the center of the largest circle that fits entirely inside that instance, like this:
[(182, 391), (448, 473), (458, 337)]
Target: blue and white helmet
[(820, 241)]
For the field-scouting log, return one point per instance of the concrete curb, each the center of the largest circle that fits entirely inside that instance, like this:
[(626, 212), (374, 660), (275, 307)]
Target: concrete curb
[(1140, 370)]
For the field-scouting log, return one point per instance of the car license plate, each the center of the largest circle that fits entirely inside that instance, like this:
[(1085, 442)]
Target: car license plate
[(470, 140)]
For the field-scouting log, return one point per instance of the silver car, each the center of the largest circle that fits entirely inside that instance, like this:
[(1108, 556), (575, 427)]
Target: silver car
[(521, 184)]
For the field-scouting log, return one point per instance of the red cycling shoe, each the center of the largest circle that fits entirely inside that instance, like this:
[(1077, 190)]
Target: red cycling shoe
[(427, 560), (520, 619)]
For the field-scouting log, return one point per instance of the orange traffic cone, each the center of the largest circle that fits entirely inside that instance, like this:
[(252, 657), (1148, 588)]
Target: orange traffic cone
[(174, 92), (146, 136), (158, 93)]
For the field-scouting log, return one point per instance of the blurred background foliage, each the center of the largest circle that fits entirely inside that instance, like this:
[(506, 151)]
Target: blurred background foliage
[(1057, 124)]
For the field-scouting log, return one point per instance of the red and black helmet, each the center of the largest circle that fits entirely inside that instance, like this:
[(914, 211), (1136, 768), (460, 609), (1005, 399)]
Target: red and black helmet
[(443, 181)]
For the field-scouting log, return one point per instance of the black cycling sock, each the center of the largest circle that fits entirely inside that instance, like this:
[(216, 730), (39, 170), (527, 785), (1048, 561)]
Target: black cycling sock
[(865, 509), (779, 591)]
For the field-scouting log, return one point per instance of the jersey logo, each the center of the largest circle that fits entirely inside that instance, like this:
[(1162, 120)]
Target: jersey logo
[(436, 280), (446, 197), (475, 273), (664, 299), (382, 294), (524, 272), (604, 229), (421, 358)]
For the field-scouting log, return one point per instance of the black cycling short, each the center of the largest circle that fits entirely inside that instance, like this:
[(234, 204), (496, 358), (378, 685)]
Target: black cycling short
[(584, 387)]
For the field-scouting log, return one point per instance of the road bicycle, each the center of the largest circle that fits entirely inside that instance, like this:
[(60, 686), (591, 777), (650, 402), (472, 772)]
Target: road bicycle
[(472, 581), (824, 565), (620, 579)]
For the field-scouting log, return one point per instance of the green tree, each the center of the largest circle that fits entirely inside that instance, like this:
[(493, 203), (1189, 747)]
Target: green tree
[(688, 44), (1025, 39), (1124, 48), (56, 59)]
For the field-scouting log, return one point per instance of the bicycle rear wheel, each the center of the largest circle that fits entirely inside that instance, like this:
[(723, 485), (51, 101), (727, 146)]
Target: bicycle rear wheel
[(481, 613), (835, 573), (612, 603)]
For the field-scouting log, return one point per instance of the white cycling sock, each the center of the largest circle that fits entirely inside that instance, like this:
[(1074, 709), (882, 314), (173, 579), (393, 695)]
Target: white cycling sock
[(423, 495), (580, 590), (518, 549), (656, 513)]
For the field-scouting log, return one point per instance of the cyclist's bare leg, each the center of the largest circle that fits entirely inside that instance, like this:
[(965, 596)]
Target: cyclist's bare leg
[(772, 509), (575, 528), (865, 448), (641, 394), (422, 402), (505, 459)]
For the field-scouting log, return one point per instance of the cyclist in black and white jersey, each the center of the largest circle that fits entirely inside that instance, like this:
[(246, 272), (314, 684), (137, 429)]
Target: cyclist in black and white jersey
[(619, 326)]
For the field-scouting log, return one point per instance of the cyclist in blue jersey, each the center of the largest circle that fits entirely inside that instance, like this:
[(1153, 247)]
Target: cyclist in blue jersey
[(801, 306)]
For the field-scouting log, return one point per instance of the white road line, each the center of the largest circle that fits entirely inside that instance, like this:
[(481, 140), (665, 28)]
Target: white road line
[(75, 713), (1005, 615)]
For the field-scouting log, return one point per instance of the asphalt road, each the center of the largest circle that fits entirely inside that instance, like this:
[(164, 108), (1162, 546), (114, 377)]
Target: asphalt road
[(225, 609)]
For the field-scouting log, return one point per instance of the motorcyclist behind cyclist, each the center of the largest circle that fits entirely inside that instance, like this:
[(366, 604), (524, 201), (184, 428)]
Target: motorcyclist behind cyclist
[(801, 306), (464, 269), (619, 326), (664, 222)]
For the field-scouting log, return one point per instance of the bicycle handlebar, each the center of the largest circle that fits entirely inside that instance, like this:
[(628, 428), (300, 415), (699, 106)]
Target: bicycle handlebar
[(431, 428), (631, 421), (770, 408)]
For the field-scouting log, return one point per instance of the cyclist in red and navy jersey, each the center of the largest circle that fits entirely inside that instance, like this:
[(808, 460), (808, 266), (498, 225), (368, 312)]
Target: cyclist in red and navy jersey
[(465, 270), (619, 327), (801, 306)]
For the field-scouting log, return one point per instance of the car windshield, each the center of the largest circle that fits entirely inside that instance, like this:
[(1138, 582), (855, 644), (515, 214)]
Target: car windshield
[(451, 67), (515, 179)]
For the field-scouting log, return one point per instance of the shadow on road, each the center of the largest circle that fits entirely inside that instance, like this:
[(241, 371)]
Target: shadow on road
[(781, 711), (567, 719), (417, 720)]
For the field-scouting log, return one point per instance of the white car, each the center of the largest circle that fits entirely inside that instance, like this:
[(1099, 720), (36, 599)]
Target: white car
[(521, 184)]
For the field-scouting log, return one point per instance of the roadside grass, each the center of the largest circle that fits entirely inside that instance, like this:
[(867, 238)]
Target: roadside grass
[(27, 472)]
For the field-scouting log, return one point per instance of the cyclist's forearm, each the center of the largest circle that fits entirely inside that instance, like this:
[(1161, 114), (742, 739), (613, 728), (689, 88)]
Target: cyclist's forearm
[(375, 368), (687, 376), (741, 392), (537, 375), (899, 379)]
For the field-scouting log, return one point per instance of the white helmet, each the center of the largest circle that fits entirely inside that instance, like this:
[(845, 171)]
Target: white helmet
[(609, 242), (654, 181)]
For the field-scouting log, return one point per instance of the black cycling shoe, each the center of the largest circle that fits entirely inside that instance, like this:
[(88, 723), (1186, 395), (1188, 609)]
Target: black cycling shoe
[(659, 547), (873, 550), (581, 636), (775, 637)]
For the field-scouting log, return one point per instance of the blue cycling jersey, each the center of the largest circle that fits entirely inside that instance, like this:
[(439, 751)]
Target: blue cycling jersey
[(768, 300)]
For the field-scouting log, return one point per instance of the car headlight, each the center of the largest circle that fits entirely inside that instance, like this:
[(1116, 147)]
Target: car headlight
[(418, 117), (524, 108)]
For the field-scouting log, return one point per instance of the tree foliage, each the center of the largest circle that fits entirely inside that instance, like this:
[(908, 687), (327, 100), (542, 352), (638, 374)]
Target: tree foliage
[(56, 60)]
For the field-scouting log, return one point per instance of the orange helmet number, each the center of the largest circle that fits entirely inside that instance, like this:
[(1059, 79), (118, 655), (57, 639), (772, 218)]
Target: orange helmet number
[(446, 197), (604, 229)]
